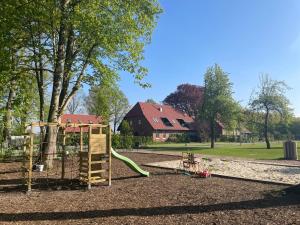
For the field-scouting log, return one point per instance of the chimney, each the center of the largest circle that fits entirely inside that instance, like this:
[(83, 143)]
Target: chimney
[(160, 109)]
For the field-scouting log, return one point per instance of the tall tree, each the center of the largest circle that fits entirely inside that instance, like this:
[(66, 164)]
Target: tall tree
[(78, 42), (109, 102), (218, 104), (270, 99), (187, 98)]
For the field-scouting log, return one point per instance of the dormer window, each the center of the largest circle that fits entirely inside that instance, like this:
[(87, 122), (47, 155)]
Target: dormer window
[(182, 122), (166, 122), (69, 120)]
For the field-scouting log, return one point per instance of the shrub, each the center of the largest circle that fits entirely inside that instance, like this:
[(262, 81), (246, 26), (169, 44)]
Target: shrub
[(126, 142), (116, 141), (129, 141), (179, 138)]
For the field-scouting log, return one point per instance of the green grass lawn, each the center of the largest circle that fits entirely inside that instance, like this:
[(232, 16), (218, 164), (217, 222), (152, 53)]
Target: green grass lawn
[(249, 150)]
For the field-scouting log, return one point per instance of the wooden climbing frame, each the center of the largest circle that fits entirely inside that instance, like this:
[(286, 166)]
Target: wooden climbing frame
[(95, 163), (94, 159)]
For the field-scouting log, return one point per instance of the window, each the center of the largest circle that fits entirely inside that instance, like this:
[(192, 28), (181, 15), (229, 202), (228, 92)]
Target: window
[(157, 135), (182, 122), (139, 122), (164, 135), (166, 122)]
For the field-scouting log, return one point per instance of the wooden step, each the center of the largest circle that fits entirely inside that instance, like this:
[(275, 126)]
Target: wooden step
[(92, 172), (97, 180), (99, 161), (97, 171)]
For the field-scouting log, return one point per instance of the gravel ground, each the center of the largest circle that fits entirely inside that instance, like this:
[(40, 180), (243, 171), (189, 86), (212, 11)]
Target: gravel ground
[(163, 198)]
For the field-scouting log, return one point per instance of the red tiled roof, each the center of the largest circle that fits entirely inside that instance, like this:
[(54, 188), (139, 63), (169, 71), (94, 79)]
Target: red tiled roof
[(77, 119), (155, 112)]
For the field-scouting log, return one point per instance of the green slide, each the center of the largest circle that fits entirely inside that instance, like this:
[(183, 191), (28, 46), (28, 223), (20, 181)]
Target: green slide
[(132, 165)]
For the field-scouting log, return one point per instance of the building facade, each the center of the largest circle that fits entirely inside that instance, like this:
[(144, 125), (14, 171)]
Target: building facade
[(158, 121)]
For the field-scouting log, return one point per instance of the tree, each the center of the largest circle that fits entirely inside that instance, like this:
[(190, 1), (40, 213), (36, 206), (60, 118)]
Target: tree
[(125, 128), (270, 99), (150, 100), (77, 42), (218, 104), (109, 102), (187, 98), (75, 105), (295, 128)]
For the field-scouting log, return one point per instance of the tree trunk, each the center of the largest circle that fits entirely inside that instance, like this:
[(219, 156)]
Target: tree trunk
[(212, 134), (8, 114), (49, 149), (266, 127), (50, 146)]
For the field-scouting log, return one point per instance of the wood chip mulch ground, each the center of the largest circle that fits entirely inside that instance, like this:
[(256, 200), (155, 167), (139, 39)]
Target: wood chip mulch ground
[(164, 198)]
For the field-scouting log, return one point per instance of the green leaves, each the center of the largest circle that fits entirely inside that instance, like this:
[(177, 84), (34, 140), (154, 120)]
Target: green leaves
[(75, 42), (270, 101), (218, 101), (109, 102), (270, 97), (218, 105)]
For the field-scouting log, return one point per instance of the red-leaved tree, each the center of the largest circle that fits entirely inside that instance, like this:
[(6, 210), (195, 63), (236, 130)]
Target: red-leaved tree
[(187, 98)]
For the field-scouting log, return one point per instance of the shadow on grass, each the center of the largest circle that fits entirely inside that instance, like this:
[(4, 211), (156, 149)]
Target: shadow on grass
[(268, 202)]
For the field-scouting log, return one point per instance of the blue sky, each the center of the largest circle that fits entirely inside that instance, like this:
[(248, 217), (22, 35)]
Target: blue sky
[(245, 37)]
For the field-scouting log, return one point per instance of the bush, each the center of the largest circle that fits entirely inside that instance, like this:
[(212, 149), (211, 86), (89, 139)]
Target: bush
[(179, 138), (140, 141), (116, 141), (129, 141)]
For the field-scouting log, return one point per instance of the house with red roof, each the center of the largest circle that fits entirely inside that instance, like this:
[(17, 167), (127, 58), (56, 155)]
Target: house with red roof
[(78, 119), (158, 121)]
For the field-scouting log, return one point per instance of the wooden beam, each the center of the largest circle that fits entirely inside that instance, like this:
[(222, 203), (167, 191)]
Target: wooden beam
[(109, 154), (90, 158), (43, 124), (63, 154), (29, 183)]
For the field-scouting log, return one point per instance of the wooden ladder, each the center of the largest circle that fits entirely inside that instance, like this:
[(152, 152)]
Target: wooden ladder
[(95, 164)]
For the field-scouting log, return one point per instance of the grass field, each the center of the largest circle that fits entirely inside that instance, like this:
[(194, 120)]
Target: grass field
[(246, 150)]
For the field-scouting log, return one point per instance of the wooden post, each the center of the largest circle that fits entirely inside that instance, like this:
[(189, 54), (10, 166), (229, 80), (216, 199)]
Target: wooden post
[(63, 153), (30, 161), (25, 146), (89, 158), (81, 140), (109, 154)]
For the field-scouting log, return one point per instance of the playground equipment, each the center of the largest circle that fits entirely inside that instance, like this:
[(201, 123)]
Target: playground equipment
[(189, 164), (89, 155), (132, 165)]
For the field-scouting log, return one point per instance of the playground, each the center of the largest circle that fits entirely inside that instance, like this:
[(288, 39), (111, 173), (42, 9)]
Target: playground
[(90, 182), (165, 197)]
